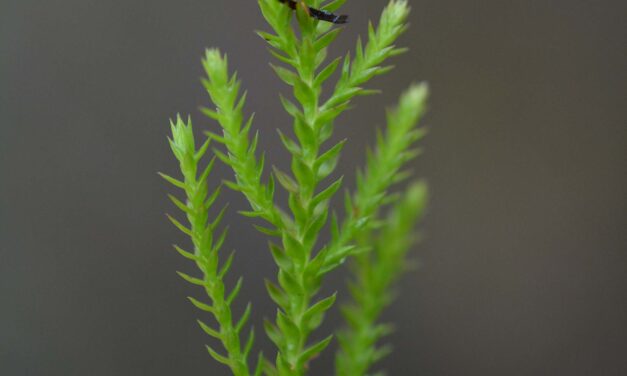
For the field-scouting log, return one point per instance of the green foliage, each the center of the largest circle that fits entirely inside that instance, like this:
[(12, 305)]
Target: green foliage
[(196, 208), (374, 273), (375, 270), (302, 262)]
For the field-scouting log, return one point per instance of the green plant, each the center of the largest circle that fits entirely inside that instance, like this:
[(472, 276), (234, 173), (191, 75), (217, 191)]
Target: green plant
[(376, 243)]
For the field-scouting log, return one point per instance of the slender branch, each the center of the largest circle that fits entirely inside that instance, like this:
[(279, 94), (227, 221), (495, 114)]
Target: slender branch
[(300, 274), (375, 273), (382, 171), (224, 92), (206, 249), (376, 268)]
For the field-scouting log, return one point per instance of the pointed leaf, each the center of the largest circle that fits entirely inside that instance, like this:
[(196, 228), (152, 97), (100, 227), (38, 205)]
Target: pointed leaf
[(276, 294), (190, 279), (222, 359), (315, 349), (171, 180), (285, 180), (207, 329), (178, 225), (186, 254), (235, 291), (286, 75), (328, 193), (200, 305), (242, 321)]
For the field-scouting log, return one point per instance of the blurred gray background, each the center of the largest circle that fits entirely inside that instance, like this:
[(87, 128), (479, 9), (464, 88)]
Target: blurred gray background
[(523, 267)]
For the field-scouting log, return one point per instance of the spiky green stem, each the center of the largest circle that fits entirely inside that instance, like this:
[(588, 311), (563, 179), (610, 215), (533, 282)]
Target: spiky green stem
[(375, 273), (299, 274), (300, 268), (376, 268), (206, 249)]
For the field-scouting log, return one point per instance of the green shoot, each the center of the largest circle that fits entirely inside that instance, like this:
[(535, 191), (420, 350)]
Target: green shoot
[(301, 50)]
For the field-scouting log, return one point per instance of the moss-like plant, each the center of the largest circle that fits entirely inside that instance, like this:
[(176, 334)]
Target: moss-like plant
[(376, 243)]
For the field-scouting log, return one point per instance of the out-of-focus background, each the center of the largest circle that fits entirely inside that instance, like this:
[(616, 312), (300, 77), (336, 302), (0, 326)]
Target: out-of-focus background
[(523, 270)]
